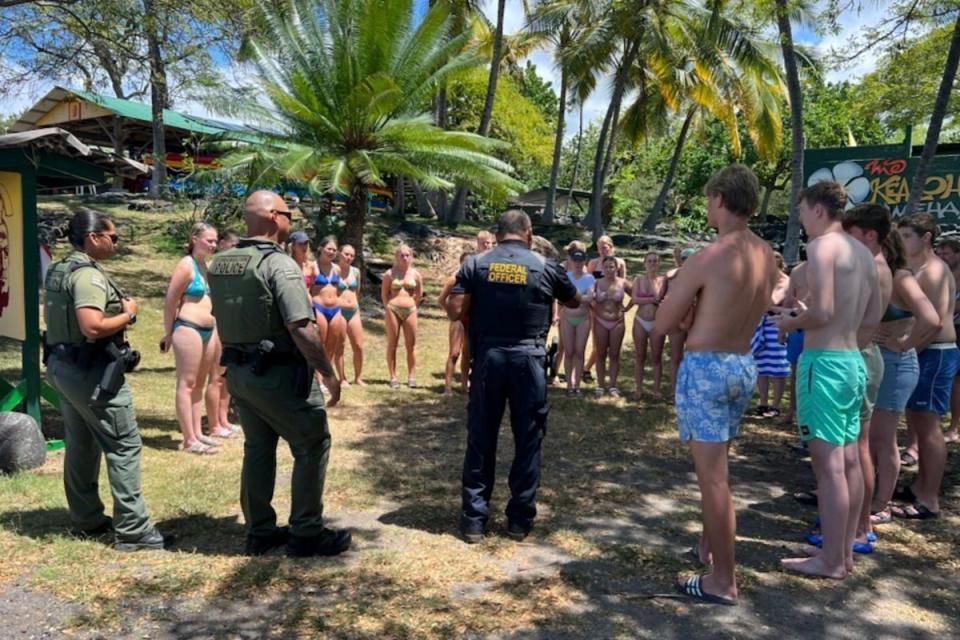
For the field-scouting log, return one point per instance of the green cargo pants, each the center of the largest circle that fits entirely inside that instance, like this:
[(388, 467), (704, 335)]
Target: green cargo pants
[(107, 426), (269, 409)]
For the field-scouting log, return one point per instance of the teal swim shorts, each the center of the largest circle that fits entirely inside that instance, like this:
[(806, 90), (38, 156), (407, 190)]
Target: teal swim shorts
[(830, 389)]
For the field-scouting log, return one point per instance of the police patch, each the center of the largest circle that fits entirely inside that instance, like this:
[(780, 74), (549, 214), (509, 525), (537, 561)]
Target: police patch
[(290, 274), (507, 273), (229, 265)]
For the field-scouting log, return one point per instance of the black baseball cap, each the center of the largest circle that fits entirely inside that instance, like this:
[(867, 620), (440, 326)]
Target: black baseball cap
[(577, 255)]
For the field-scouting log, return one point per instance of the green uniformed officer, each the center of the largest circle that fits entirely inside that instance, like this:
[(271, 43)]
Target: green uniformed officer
[(271, 348), (86, 315)]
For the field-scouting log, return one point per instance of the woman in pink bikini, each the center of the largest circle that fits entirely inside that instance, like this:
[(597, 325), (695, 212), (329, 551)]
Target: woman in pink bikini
[(608, 327), (647, 289)]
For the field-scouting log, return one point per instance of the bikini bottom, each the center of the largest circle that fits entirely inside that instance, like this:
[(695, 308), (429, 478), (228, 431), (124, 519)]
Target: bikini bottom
[(608, 324), (648, 325), (348, 313), (575, 321), (328, 312), (402, 313), (205, 332)]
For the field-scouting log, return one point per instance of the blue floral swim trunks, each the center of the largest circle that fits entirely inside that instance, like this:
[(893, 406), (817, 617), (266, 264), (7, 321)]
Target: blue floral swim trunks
[(713, 391)]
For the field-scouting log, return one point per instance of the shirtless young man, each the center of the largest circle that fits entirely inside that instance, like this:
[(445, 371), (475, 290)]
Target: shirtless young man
[(731, 280), (939, 361), (870, 224), (949, 251), (844, 298)]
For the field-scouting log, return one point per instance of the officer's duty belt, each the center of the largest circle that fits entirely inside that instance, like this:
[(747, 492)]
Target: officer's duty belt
[(74, 353), (241, 356), (510, 342)]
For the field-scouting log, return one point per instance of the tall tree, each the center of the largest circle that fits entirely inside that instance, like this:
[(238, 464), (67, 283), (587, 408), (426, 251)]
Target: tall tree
[(457, 207), (936, 120), (791, 247), (347, 92)]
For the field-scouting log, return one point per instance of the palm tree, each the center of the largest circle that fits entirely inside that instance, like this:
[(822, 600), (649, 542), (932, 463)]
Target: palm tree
[(347, 94), (936, 121), (723, 68), (561, 24)]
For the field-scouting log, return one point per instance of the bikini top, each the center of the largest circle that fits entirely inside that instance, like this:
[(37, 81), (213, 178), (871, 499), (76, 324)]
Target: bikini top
[(616, 294), (322, 280), (583, 283), (354, 281), (410, 284), (198, 286), (894, 312)]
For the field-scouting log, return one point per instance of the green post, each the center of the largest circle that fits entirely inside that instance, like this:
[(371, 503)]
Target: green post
[(31, 291)]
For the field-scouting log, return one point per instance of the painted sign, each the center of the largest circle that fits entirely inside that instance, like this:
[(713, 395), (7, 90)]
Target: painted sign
[(12, 324), (884, 173)]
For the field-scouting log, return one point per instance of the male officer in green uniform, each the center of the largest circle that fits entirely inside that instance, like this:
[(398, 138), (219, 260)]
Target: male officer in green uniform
[(271, 348), (86, 315)]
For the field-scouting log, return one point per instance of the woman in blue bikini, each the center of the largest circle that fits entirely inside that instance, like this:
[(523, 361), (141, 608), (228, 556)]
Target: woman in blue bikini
[(350, 309), (325, 295), (401, 292), (189, 327)]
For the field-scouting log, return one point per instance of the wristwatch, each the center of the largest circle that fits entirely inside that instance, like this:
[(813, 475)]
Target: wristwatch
[(132, 316)]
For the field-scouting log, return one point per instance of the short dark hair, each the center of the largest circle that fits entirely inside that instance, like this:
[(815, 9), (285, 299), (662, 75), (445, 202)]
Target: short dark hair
[(228, 235), (737, 187), (922, 223), (514, 222), (827, 193), (869, 217), (86, 221), (950, 242)]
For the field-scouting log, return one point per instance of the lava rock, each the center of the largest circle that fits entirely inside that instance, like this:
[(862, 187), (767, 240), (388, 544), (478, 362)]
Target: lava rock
[(21, 442)]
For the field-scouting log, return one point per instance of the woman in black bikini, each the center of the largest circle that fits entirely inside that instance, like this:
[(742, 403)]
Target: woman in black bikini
[(325, 296), (350, 310), (608, 325), (401, 292)]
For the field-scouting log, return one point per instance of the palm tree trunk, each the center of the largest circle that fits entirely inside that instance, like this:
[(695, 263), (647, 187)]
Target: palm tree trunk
[(399, 198), (356, 221), (593, 220), (654, 216), (424, 207), (158, 98), (548, 209), (456, 213), (765, 203), (791, 248), (936, 122), (576, 165)]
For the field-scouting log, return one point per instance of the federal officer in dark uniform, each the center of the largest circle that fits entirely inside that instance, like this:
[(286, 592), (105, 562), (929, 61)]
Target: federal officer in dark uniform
[(508, 295), (271, 348), (86, 357)]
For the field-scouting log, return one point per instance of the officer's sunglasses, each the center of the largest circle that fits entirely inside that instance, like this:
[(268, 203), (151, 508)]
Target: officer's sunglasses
[(114, 238), (284, 212)]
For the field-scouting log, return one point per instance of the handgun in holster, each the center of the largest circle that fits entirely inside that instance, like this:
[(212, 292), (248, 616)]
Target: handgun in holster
[(121, 359), (261, 358)]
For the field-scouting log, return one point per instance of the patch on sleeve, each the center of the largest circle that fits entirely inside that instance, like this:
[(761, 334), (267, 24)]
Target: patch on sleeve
[(229, 265), (292, 274), (507, 273)]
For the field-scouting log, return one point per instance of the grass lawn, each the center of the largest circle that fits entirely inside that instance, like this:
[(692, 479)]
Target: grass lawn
[(618, 508)]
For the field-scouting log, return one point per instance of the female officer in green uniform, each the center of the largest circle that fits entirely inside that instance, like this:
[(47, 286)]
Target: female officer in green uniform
[(86, 313)]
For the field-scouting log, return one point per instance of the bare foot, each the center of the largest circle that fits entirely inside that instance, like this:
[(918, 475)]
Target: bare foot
[(951, 436), (359, 382), (813, 566), (812, 551)]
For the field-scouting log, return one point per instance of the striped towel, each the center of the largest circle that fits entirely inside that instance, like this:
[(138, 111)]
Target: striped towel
[(769, 354)]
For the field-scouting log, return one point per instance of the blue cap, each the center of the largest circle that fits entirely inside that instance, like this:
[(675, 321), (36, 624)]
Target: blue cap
[(299, 236)]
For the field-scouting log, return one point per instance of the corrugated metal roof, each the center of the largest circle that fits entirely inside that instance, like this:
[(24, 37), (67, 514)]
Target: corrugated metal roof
[(125, 109)]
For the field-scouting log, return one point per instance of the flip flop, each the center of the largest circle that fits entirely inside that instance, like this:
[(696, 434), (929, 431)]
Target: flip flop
[(858, 547), (394, 384), (207, 440), (806, 497), (224, 434), (693, 589), (200, 449), (920, 512), (881, 517), (908, 460)]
